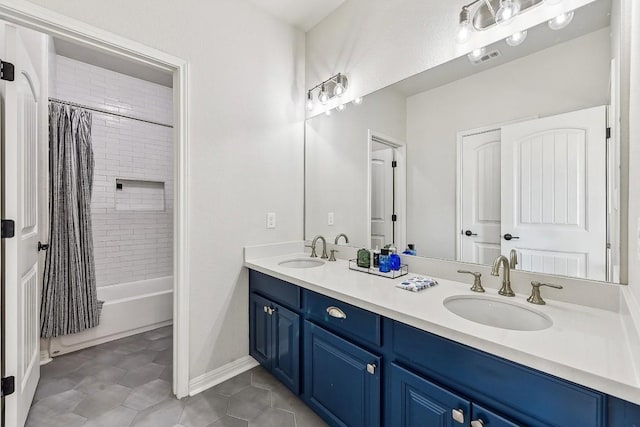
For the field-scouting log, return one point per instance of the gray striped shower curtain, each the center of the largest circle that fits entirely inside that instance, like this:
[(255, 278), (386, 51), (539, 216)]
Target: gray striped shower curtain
[(69, 303)]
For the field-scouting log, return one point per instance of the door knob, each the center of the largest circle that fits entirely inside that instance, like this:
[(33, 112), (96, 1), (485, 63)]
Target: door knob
[(42, 246), (510, 237), (470, 233)]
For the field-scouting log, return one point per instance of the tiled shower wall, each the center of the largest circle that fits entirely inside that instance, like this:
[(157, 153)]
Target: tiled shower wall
[(133, 242)]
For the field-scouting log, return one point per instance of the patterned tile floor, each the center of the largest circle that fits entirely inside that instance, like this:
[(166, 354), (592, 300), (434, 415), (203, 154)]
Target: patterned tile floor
[(128, 383)]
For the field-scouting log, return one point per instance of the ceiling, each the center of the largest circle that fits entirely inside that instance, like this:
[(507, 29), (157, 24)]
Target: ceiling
[(303, 14), (100, 59)]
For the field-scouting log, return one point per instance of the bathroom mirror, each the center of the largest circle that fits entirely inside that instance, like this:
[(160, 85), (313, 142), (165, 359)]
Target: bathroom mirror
[(515, 152)]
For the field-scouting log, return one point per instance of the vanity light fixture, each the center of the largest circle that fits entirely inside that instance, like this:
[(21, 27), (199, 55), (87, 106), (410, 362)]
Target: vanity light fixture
[(561, 21), (334, 86), (482, 14)]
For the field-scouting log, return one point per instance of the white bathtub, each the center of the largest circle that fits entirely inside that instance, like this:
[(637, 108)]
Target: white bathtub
[(129, 309)]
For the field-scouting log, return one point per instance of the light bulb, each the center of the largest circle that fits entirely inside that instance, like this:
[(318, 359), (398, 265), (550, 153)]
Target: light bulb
[(561, 21), (464, 27), (309, 101), (476, 54), (516, 39), (323, 97), (507, 11), (358, 101), (327, 113), (342, 107), (340, 88)]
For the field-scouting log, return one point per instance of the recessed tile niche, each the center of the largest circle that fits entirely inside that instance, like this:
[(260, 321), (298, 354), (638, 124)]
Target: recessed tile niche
[(139, 195)]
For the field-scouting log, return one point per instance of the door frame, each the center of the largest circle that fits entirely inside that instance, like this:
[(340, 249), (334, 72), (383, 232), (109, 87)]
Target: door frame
[(400, 148), (56, 25), (460, 135)]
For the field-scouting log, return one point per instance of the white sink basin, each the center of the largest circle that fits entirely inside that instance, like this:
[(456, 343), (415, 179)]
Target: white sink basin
[(498, 313), (302, 263)]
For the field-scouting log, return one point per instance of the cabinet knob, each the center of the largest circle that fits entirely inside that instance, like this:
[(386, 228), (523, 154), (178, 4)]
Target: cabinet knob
[(266, 309), (457, 415), (477, 423), (336, 312), (371, 368)]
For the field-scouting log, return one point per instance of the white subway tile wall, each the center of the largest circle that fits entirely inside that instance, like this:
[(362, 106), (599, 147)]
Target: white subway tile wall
[(133, 244)]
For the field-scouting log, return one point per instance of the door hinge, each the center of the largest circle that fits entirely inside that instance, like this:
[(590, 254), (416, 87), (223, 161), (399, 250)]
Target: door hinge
[(8, 386), (394, 217), (7, 71), (8, 228), (394, 164), (608, 133)]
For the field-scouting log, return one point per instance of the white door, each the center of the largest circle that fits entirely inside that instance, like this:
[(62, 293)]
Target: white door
[(480, 198), (381, 195), (554, 193), (20, 203)]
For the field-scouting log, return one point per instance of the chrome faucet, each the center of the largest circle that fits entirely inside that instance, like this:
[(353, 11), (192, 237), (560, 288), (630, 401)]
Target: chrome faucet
[(346, 239), (506, 279), (513, 259), (324, 247)]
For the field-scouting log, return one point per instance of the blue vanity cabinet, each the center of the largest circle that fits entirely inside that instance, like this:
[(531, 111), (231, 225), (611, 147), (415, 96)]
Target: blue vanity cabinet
[(416, 402), (482, 417), (342, 380), (274, 339)]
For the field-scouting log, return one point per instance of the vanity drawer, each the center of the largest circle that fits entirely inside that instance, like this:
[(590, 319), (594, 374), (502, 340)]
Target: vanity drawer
[(522, 393), (275, 289), (343, 318)]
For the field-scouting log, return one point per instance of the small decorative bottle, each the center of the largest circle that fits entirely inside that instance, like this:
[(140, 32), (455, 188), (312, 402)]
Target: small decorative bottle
[(394, 261), (385, 264), (364, 258)]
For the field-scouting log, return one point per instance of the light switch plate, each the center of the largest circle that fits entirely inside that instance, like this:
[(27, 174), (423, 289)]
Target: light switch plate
[(330, 218), (271, 220)]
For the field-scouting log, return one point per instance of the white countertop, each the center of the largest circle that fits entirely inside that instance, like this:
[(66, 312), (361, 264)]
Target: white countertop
[(586, 345)]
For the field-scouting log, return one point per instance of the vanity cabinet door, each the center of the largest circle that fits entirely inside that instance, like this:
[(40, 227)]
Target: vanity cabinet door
[(286, 347), (416, 402), (274, 340), (481, 417), (260, 329), (342, 380)]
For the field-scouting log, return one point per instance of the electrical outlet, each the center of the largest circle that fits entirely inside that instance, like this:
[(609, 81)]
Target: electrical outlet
[(330, 218), (271, 220)]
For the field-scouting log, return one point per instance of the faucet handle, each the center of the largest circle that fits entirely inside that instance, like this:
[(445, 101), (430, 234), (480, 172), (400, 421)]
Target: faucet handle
[(477, 282), (535, 297), (333, 255), (313, 250)]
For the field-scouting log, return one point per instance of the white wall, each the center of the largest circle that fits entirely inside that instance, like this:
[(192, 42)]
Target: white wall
[(133, 243), (246, 103), (336, 164), (532, 89), (379, 42), (634, 154)]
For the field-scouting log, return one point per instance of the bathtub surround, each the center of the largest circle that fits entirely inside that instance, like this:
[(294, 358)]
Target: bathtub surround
[(69, 303), (132, 217)]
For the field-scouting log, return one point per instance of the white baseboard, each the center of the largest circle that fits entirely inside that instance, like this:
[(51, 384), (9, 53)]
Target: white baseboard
[(221, 374)]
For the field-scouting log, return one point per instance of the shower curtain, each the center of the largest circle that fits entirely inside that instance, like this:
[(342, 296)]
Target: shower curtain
[(69, 302)]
